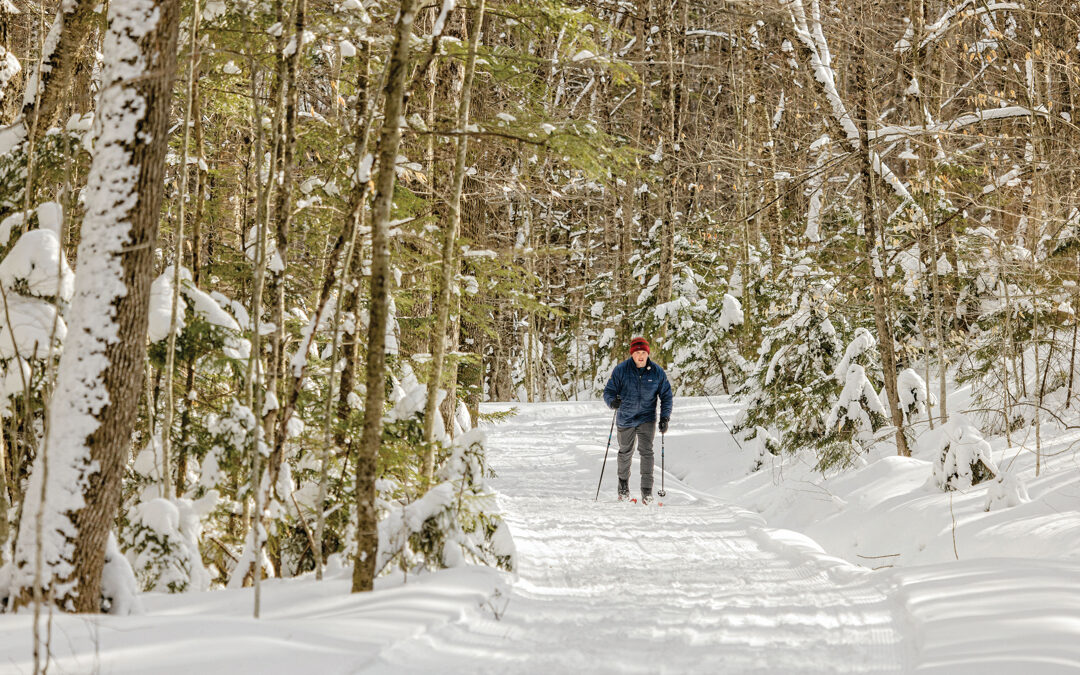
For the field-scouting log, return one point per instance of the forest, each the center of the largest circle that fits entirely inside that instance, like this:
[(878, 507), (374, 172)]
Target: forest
[(242, 240)]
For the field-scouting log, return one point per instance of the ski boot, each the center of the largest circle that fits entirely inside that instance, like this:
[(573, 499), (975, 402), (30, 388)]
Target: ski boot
[(646, 497), (624, 490)]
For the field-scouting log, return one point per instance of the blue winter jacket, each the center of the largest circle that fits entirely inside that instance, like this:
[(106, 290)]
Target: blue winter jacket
[(639, 388)]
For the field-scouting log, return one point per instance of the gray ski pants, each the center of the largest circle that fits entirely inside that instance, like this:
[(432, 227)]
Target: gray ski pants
[(643, 434)]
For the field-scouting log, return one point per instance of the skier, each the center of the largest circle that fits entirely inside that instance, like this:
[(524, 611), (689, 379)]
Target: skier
[(633, 389)]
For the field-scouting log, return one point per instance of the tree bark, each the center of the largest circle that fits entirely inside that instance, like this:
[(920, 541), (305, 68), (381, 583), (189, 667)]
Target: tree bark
[(178, 264), (45, 93), (449, 250), (669, 145), (351, 303), (283, 218), (98, 382), (367, 533), (875, 269)]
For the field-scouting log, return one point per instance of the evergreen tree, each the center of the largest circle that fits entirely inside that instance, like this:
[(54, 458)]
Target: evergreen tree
[(857, 414), (791, 386)]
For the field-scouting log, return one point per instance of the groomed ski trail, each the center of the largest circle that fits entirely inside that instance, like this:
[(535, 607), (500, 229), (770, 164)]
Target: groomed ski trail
[(695, 586)]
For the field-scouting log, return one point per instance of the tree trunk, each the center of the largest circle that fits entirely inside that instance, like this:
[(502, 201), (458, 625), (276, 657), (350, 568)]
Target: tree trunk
[(98, 382), (367, 533), (351, 304), (178, 263), (45, 94), (4, 502), (875, 269), (253, 395), (449, 249), (670, 146), (283, 217), (200, 179)]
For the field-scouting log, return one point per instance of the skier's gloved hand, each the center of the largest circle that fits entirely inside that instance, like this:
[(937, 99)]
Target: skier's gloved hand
[(616, 403), (663, 425)]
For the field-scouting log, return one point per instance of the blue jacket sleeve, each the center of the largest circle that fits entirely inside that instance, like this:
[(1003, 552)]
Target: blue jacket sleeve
[(614, 384), (665, 399)]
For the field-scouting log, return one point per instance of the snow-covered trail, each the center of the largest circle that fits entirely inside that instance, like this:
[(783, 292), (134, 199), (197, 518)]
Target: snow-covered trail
[(694, 586)]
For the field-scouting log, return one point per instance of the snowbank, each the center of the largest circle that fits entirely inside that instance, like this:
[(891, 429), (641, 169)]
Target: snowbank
[(891, 512), (305, 627), (988, 576)]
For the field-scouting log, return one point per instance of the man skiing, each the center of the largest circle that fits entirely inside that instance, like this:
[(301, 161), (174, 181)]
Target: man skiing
[(633, 389)]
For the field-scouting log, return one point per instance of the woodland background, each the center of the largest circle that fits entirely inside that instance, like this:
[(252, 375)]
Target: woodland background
[(799, 202)]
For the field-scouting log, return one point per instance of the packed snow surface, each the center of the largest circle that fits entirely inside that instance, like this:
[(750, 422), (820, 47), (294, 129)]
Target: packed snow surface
[(702, 584), (693, 586)]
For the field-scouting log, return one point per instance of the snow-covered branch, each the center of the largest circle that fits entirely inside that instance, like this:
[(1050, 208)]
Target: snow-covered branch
[(939, 28), (813, 40), (896, 132)]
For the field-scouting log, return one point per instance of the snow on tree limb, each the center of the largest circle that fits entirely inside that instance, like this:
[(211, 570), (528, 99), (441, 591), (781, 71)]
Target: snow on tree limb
[(896, 132), (857, 401), (813, 40), (299, 359), (817, 48), (963, 457), (862, 342), (440, 21), (939, 28)]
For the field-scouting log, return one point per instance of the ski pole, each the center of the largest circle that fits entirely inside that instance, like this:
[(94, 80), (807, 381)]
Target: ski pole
[(602, 466), (662, 492)]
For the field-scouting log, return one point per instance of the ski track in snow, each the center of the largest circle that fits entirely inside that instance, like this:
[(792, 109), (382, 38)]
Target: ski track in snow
[(694, 586)]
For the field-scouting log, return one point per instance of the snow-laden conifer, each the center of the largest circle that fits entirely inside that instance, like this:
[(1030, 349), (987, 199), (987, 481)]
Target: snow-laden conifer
[(857, 414), (913, 395), (853, 420), (457, 519), (706, 356), (791, 386), (163, 540), (963, 458)]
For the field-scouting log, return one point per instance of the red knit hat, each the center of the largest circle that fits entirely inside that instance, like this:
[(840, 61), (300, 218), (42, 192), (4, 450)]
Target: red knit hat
[(639, 343)]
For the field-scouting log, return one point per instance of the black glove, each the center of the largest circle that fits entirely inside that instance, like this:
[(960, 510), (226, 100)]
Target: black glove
[(663, 425), (616, 403)]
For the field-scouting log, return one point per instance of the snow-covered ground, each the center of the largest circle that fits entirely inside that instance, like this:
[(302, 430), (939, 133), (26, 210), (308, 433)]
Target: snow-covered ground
[(978, 591), (708, 583)]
